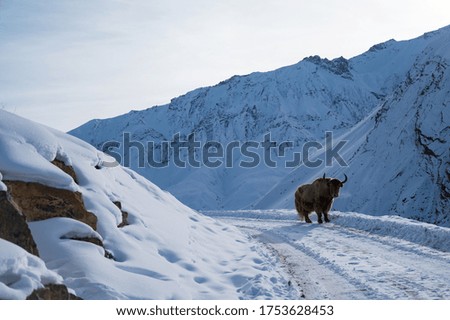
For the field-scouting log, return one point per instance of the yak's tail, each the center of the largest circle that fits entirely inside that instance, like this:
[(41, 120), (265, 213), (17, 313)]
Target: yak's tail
[(297, 204)]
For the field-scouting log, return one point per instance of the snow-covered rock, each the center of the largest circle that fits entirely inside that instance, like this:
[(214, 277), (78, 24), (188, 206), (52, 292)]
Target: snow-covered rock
[(165, 251), (21, 272)]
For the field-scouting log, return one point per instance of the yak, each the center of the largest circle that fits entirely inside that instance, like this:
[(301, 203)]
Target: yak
[(318, 197)]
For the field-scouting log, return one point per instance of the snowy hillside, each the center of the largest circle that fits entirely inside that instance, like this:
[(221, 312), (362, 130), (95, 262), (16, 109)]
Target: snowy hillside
[(107, 233), (391, 103)]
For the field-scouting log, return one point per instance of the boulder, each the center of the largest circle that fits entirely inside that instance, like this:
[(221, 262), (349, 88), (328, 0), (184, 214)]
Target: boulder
[(40, 202), (52, 292), (13, 226)]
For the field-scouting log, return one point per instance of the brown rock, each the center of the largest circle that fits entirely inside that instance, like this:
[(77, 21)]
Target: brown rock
[(67, 169), (95, 241), (39, 202), (92, 240), (52, 292), (124, 215), (13, 226)]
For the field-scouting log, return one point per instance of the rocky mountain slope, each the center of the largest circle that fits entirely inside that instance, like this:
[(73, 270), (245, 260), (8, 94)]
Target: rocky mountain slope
[(399, 156), (72, 227), (390, 103)]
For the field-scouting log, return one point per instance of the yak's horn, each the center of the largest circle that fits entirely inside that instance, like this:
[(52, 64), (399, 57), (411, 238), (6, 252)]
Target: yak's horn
[(323, 176), (345, 180)]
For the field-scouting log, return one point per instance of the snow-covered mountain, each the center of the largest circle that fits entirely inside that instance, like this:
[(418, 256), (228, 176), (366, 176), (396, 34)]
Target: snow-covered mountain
[(71, 224), (391, 103), (399, 155)]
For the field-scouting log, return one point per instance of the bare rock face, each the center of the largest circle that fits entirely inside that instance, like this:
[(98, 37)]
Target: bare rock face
[(39, 202), (124, 222), (52, 292), (13, 226), (92, 240), (67, 169)]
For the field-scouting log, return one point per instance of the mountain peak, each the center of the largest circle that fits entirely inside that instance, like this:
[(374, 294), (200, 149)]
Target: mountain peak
[(437, 32), (382, 45), (338, 66)]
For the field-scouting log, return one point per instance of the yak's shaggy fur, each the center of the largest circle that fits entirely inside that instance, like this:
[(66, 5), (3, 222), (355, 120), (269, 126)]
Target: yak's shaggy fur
[(318, 197)]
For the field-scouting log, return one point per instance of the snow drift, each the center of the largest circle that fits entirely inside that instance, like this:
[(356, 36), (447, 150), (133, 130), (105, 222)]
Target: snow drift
[(21, 272)]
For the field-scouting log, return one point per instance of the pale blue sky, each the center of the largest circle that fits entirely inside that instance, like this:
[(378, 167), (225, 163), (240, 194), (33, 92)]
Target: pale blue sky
[(63, 62)]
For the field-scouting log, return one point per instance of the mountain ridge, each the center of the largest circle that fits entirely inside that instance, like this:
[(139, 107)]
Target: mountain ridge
[(297, 103)]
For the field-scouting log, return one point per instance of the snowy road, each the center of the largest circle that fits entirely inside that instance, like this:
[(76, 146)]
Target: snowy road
[(354, 256)]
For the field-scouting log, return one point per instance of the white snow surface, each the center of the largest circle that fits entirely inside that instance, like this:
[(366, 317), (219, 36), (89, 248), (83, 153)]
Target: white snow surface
[(27, 150), (167, 251), (22, 272), (2, 185), (355, 256)]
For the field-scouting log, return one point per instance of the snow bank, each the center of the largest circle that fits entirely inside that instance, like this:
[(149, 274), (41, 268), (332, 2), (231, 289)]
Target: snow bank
[(21, 273), (397, 227), (27, 149), (421, 233)]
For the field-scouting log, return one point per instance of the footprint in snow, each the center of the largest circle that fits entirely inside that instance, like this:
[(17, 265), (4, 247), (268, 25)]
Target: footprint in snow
[(200, 280), (169, 255), (188, 267)]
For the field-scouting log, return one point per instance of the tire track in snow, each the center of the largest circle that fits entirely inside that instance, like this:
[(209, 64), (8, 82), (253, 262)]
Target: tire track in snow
[(318, 277), (331, 261), (388, 268)]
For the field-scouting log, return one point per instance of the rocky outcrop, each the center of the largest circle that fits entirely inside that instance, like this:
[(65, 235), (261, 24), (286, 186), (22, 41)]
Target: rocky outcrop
[(338, 66), (24, 202), (14, 227), (124, 215), (29, 201), (52, 292), (40, 202)]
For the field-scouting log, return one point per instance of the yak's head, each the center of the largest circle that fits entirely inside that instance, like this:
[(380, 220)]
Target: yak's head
[(335, 185)]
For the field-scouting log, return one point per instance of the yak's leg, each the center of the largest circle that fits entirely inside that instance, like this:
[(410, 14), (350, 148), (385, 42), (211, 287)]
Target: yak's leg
[(319, 217), (307, 219), (325, 214)]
